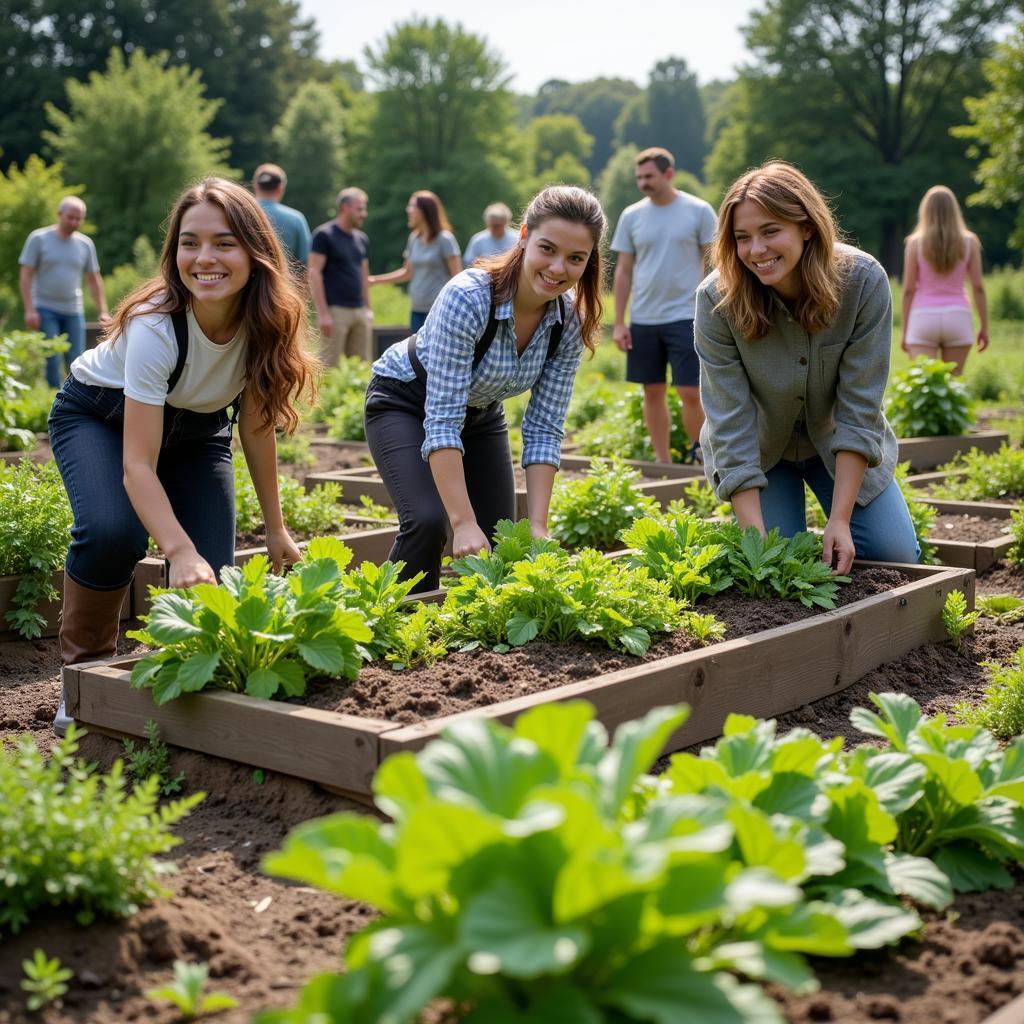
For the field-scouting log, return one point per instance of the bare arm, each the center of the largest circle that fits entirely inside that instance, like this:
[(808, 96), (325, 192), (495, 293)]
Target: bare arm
[(95, 282), (25, 275), (838, 542), (400, 276), (540, 479), (747, 507), (143, 432), (978, 291), (620, 290), (260, 448), (316, 263), (909, 289), (450, 478), (366, 287)]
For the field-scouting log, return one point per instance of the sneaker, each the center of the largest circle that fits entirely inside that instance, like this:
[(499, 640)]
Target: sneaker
[(61, 721)]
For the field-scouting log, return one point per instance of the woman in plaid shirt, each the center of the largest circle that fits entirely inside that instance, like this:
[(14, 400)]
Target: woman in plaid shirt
[(434, 419)]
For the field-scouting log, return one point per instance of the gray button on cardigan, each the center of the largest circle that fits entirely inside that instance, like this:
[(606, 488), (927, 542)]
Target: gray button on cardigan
[(755, 392)]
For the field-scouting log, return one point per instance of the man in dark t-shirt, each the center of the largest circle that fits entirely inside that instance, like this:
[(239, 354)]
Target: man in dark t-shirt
[(339, 271)]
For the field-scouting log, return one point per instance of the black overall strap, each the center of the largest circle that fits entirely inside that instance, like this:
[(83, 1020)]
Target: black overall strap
[(556, 331), (180, 322)]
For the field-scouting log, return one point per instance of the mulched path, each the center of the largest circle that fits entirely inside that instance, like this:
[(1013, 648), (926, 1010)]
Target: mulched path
[(966, 963), (969, 528)]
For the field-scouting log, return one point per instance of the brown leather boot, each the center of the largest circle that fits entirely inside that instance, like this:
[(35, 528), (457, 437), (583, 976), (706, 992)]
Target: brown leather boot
[(88, 631)]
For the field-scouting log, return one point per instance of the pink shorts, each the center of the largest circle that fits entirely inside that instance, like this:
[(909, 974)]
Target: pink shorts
[(949, 327)]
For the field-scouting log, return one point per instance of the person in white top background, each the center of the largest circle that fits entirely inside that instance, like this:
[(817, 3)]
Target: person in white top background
[(141, 432)]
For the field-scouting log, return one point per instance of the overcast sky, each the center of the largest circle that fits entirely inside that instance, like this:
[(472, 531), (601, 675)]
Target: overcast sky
[(542, 39)]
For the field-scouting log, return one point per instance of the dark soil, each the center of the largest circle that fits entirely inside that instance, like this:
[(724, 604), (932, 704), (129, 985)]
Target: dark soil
[(966, 963), (969, 528), (327, 457), (258, 538), (1012, 498)]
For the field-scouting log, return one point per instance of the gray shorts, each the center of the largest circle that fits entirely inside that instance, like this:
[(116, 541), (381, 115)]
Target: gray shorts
[(656, 346)]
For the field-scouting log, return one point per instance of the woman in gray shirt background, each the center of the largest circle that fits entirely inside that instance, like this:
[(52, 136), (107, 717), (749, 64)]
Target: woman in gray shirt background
[(794, 333), (431, 255)]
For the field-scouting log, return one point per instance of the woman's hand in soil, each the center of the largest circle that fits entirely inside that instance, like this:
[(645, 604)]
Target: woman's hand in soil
[(838, 549), (282, 549), (469, 539), (190, 568)]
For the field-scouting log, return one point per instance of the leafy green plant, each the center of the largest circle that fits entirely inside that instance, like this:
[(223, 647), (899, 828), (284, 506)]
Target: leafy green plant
[(345, 422), (72, 837), (13, 387), (964, 811), (1002, 710), (371, 510), (377, 592), (593, 511), (1015, 553), (152, 758), (32, 408), (294, 450), (419, 638), (955, 616), (256, 634), (620, 430), (45, 980), (186, 992), (518, 881), (984, 476), (926, 400), (1003, 608), (29, 351), (35, 531), (592, 397), (351, 376), (700, 497)]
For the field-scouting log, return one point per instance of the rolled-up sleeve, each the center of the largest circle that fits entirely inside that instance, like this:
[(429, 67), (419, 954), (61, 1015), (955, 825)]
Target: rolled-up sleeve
[(453, 325), (731, 416), (863, 372), (543, 424)]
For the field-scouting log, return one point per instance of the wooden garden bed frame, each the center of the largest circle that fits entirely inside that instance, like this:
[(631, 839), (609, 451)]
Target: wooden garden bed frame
[(1011, 1013), (367, 546), (922, 481), (763, 674), (50, 610), (972, 554), (925, 453)]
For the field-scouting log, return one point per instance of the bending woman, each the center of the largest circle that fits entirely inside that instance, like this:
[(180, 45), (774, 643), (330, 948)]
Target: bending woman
[(940, 255), (140, 430), (434, 419), (793, 331), (431, 255)]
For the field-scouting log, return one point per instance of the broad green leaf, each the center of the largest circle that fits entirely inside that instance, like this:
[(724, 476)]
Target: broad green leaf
[(502, 930), (562, 1004), (311, 576), (558, 730), (896, 779), (692, 895), (262, 683), (801, 752), (415, 964), (165, 683), (971, 870), (758, 887), (399, 785), (958, 779), (920, 879), (324, 653), (590, 882), (760, 846), (857, 819), (792, 794), (811, 928), (757, 961), (253, 614), (738, 725), (1008, 780), (748, 751), (636, 640), (521, 629), (899, 715), (870, 923), (218, 600), (328, 548), (172, 619), (292, 677), (997, 822), (143, 671)]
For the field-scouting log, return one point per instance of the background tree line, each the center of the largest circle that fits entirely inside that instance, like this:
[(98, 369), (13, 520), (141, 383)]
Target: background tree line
[(125, 102)]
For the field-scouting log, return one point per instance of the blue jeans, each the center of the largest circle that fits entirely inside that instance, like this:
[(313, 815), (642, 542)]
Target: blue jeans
[(52, 323), (882, 530), (108, 538), (416, 321)]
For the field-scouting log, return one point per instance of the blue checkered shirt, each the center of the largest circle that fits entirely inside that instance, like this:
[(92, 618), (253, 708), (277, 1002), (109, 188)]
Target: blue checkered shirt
[(445, 346)]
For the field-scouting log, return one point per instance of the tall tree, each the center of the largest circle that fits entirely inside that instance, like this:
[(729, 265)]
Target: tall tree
[(252, 54), (558, 148), (310, 146), (670, 113), (152, 121), (441, 118), (862, 95)]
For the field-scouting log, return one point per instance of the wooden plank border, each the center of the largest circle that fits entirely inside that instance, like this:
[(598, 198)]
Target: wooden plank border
[(1011, 1013), (763, 674), (977, 555), (925, 453)]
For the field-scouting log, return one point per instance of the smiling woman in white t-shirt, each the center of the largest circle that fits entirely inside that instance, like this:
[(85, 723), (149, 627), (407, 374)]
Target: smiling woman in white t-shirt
[(141, 432)]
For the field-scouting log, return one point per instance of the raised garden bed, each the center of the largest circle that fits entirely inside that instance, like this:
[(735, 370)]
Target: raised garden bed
[(359, 482), (50, 610), (40, 452), (925, 453), (971, 534), (371, 541), (764, 673), (926, 481), (329, 455), (648, 470)]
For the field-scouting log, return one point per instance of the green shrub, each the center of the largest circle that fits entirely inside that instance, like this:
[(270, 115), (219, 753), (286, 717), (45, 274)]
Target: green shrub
[(983, 476), (125, 277), (1004, 289), (1016, 552), (926, 400), (592, 397), (35, 531), (1002, 710), (351, 375), (593, 511), (345, 422), (29, 349), (621, 431), (294, 450), (73, 838), (32, 408), (986, 381)]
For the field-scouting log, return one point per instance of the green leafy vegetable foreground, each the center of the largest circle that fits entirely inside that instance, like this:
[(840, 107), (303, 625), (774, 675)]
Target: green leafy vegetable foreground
[(536, 874)]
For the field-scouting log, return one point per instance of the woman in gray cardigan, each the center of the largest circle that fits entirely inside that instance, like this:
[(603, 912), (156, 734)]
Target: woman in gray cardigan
[(794, 331)]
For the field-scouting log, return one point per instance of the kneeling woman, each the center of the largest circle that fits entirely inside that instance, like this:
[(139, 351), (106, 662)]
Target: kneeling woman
[(794, 331), (140, 430), (434, 418)]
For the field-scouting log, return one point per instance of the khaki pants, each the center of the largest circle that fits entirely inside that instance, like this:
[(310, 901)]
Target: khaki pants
[(352, 336)]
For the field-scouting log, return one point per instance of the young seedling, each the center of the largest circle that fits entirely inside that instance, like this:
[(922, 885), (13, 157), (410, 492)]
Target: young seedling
[(186, 992), (152, 758), (955, 616), (44, 980)]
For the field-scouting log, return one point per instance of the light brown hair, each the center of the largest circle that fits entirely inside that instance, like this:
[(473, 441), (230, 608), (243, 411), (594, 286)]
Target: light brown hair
[(788, 195), (273, 308), (657, 155), (578, 206), (941, 232), (433, 213)]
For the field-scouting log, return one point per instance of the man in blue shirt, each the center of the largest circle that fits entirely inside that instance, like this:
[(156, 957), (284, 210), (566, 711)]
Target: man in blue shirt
[(496, 238), (268, 185)]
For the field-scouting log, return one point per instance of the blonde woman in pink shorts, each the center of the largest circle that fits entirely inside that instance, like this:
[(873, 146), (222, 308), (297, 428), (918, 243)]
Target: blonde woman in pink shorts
[(941, 254)]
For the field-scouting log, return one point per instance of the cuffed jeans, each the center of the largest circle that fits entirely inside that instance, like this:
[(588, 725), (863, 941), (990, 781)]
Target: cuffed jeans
[(882, 530), (108, 539), (394, 432), (52, 323)]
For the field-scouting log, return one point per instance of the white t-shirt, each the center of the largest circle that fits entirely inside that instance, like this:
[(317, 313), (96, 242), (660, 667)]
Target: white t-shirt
[(142, 359), (666, 243)]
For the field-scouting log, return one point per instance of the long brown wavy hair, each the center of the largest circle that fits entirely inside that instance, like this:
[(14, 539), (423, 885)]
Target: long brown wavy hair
[(278, 366), (941, 231), (578, 206), (432, 208), (788, 195)]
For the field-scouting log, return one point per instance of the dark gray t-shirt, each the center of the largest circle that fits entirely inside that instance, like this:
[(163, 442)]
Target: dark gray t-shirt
[(429, 268), (59, 264)]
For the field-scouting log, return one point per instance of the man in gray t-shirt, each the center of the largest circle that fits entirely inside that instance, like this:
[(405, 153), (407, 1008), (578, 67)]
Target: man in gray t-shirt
[(53, 261), (662, 244)]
